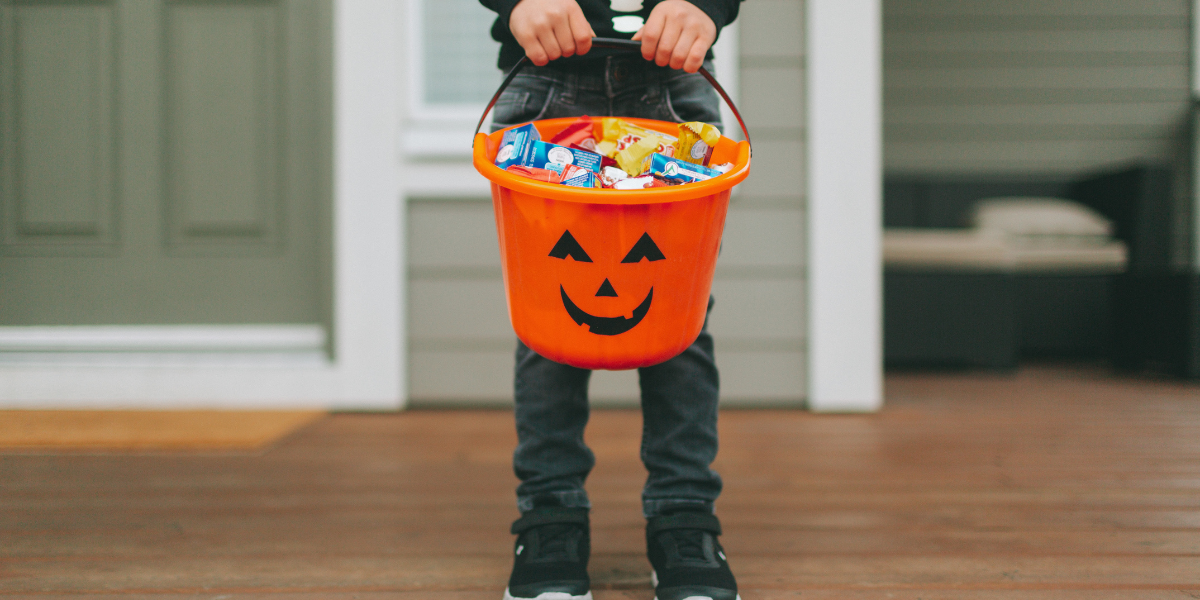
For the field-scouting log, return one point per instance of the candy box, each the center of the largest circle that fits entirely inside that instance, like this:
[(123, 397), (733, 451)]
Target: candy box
[(673, 169), (543, 154), (577, 176), (516, 146)]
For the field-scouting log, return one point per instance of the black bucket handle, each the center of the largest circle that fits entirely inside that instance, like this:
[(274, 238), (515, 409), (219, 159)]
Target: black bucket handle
[(616, 44)]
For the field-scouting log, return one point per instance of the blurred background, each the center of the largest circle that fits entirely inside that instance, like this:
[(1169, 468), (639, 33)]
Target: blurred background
[(179, 222)]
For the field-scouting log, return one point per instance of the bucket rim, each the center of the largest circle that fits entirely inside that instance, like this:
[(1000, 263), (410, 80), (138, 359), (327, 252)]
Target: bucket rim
[(555, 191)]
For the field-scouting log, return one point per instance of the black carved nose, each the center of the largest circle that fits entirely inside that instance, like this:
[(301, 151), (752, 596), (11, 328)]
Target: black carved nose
[(606, 289)]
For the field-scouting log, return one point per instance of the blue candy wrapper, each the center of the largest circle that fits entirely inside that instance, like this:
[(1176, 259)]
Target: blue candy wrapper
[(543, 154), (578, 177), (517, 145), (674, 169)]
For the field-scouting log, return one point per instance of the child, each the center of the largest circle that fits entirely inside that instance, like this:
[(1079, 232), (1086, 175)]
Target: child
[(679, 397)]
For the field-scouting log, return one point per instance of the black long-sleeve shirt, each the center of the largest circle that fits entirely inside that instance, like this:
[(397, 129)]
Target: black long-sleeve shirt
[(599, 14)]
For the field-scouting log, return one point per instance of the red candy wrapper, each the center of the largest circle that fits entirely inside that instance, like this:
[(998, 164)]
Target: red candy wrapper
[(546, 175), (578, 134)]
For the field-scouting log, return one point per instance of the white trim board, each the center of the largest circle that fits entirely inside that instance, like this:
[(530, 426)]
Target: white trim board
[(844, 71), (366, 370), (160, 338)]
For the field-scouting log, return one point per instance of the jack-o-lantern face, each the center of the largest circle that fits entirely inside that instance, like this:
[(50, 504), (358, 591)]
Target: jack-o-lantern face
[(644, 249)]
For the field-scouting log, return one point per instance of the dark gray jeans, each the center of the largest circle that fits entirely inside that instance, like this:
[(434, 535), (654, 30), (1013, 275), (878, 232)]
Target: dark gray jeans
[(679, 397)]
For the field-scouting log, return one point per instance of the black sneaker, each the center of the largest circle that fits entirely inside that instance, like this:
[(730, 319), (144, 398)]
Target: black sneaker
[(687, 559), (552, 551)]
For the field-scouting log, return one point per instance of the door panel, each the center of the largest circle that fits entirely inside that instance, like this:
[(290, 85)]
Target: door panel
[(56, 117), (164, 162), (223, 156)]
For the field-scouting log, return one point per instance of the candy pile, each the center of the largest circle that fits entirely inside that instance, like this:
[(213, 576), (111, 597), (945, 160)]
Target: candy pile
[(626, 157)]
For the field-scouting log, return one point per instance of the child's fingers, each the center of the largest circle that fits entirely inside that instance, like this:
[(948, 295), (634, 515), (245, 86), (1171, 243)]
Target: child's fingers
[(683, 49), (695, 58), (549, 43), (649, 34), (533, 49), (564, 37), (666, 44), (581, 32)]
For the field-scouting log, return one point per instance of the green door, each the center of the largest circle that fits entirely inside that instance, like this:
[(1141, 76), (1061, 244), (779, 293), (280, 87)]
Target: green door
[(164, 162)]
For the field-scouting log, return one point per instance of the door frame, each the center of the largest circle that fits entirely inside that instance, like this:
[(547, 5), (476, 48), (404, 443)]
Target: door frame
[(365, 368)]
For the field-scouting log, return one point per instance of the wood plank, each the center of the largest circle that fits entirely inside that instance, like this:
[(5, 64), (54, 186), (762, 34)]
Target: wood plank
[(1046, 484)]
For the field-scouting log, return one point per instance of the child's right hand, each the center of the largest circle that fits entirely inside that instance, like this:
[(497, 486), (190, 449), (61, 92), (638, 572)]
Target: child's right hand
[(550, 29)]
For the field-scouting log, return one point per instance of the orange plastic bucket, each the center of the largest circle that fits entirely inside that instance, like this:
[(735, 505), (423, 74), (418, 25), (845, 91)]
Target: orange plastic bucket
[(609, 279)]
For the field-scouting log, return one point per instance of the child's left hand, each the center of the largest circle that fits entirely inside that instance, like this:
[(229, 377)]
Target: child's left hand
[(677, 34)]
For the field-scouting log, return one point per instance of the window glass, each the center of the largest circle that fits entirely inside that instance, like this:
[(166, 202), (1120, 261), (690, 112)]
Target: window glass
[(460, 55)]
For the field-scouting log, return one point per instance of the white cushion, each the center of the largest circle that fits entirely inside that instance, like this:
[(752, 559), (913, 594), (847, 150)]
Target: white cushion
[(1033, 220), (968, 249)]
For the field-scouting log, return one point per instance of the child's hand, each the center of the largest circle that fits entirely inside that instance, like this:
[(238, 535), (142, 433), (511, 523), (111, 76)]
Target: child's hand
[(550, 29), (678, 34)]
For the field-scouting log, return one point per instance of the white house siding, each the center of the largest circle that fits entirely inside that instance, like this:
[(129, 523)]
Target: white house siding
[(1032, 86), (460, 341)]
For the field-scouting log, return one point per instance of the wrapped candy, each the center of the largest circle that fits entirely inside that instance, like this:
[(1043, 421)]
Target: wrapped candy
[(576, 176), (696, 142), (580, 133), (633, 158), (547, 175), (618, 135)]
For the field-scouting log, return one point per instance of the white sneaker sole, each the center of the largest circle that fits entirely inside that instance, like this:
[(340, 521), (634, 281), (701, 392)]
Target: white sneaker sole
[(654, 584), (551, 596)]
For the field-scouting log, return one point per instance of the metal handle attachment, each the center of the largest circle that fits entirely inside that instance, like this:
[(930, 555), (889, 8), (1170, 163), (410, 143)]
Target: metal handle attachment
[(617, 44)]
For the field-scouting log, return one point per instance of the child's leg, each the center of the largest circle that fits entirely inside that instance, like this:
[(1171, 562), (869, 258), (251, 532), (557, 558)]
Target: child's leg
[(551, 459), (679, 430)]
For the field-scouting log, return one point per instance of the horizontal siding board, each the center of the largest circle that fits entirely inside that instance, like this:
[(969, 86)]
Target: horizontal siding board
[(448, 376), (1024, 133), (1142, 114), (778, 171), (1032, 85), (773, 97), (748, 378), (771, 28), (452, 234), (1066, 8), (762, 237), (1038, 41), (1017, 157), (458, 309), (947, 96), (1026, 22), (1097, 79), (919, 59), (757, 309)]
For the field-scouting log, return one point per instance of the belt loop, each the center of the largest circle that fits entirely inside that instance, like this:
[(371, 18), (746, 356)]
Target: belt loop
[(609, 75)]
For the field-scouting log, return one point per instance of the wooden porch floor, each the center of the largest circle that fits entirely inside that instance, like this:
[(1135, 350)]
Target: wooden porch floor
[(1052, 483)]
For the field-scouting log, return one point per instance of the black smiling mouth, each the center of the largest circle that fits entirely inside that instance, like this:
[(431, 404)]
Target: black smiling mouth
[(606, 325)]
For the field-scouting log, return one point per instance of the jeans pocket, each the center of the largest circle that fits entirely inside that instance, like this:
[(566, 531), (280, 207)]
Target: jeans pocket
[(691, 98), (524, 101)]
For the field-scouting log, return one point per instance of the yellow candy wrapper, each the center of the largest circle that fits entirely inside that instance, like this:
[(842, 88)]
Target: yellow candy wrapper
[(618, 134), (696, 142), (634, 158)]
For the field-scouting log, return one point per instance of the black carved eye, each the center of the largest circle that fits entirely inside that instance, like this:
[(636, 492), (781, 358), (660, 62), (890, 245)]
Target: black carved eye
[(644, 248), (567, 246)]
